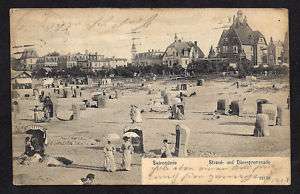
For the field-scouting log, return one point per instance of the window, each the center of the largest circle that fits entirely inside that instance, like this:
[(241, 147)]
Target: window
[(186, 53), (235, 49), (261, 39)]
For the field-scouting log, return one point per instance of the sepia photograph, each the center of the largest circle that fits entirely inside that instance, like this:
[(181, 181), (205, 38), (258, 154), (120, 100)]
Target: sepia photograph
[(103, 96)]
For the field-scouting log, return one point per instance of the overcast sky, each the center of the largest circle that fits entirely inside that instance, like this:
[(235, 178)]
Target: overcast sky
[(108, 31)]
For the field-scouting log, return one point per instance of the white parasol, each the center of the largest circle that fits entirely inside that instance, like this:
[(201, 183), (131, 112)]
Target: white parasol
[(130, 128), (96, 93), (130, 134)]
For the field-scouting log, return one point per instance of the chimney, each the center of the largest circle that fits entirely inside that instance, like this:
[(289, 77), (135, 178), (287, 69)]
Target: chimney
[(195, 42)]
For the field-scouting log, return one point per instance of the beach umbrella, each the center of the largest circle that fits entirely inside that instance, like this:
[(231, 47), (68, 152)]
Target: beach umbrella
[(96, 93), (112, 137), (31, 129), (36, 131), (130, 134), (132, 128)]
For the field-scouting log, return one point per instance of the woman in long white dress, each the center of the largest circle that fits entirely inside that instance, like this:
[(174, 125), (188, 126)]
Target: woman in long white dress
[(165, 150), (127, 150), (109, 158), (138, 115), (132, 113)]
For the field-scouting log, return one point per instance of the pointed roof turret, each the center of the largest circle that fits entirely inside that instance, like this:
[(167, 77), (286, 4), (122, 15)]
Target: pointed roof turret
[(212, 52), (175, 37)]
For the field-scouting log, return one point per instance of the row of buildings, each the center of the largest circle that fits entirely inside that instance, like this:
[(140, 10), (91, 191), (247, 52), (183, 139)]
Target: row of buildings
[(86, 61), (178, 52), (236, 43)]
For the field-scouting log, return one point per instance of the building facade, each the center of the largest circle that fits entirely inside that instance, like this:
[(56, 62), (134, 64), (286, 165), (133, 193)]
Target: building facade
[(181, 53), (117, 62), (84, 61), (98, 63), (149, 58), (28, 59), (21, 83), (241, 42), (67, 62), (275, 52), (286, 52), (50, 60)]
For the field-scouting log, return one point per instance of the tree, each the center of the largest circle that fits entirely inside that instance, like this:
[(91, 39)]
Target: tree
[(177, 69), (39, 73)]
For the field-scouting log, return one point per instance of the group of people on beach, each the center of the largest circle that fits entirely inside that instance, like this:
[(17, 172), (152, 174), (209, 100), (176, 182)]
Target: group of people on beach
[(44, 113), (127, 151), (109, 155)]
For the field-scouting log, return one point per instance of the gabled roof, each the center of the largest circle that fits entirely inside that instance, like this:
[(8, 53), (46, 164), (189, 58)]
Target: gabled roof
[(182, 45), (29, 53), (222, 38), (16, 74), (244, 33)]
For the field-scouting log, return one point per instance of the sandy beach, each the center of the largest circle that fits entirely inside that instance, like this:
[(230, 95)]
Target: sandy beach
[(82, 140)]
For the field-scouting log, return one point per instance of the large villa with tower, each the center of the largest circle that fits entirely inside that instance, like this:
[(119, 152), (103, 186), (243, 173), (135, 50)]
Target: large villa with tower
[(241, 42)]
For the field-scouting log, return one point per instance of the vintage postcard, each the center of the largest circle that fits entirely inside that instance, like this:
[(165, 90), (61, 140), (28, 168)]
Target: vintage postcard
[(150, 96)]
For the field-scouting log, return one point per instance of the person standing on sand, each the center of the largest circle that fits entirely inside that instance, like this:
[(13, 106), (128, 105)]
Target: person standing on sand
[(165, 150), (28, 147), (137, 115), (36, 114), (15, 109), (127, 150), (109, 158), (116, 94), (132, 113)]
